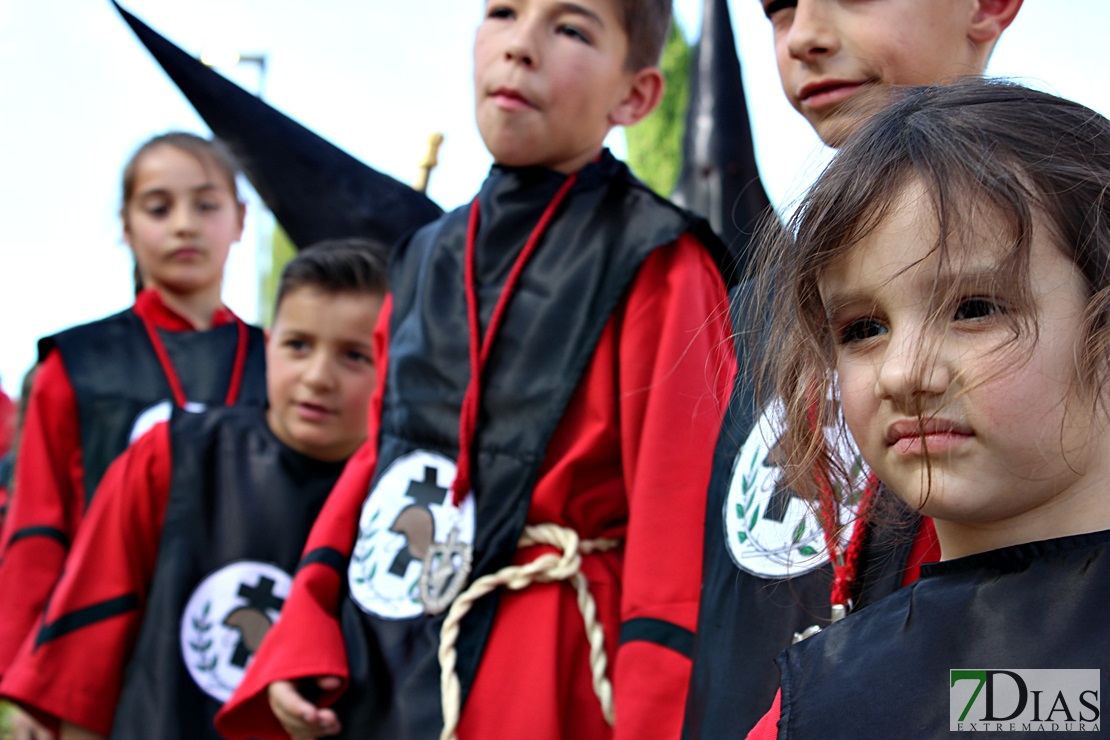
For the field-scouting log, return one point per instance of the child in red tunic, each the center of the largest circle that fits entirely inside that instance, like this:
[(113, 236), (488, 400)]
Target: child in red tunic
[(524, 526), (190, 542), (99, 385)]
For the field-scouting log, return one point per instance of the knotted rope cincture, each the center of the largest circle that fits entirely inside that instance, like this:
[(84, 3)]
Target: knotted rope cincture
[(547, 568)]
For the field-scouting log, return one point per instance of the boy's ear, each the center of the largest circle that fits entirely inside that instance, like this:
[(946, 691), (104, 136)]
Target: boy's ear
[(242, 209), (991, 18), (644, 93)]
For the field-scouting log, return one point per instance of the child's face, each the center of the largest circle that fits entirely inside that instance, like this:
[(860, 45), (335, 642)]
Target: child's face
[(1014, 451), (320, 370), (549, 80), (181, 221), (830, 50)]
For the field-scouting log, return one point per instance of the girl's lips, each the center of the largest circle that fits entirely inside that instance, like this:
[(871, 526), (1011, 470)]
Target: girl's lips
[(911, 437), (185, 253), (933, 443)]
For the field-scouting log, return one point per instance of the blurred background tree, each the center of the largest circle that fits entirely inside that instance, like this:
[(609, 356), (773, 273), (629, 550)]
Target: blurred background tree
[(655, 143)]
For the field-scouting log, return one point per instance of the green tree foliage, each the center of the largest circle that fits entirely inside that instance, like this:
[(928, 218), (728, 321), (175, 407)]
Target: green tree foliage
[(281, 251), (655, 143)]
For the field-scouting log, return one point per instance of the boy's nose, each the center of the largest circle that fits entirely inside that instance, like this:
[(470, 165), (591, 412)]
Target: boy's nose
[(520, 47), (318, 373), (812, 33)]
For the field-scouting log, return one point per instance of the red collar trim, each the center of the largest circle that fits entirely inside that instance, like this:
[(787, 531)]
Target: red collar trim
[(150, 306)]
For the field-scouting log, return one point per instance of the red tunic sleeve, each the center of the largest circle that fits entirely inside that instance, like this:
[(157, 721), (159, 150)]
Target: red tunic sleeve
[(676, 370), (46, 512), (307, 642), (72, 666), (767, 728), (629, 461)]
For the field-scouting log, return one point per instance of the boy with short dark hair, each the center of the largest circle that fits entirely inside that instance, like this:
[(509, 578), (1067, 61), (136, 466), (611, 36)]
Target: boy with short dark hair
[(188, 548), (768, 573), (558, 358)]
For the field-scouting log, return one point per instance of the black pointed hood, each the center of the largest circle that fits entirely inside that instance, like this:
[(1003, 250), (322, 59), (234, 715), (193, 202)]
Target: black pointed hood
[(315, 190), (719, 177)]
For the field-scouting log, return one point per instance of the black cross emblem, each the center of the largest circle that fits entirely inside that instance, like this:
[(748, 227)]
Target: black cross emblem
[(425, 493), (781, 496), (260, 598)]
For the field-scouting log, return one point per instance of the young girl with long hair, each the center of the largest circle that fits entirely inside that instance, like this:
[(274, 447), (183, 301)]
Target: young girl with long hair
[(946, 284), (100, 384)]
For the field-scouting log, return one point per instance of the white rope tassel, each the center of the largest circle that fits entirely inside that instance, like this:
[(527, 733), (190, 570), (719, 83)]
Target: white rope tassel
[(547, 568)]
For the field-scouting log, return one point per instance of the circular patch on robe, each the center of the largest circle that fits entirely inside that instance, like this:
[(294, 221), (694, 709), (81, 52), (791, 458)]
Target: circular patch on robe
[(769, 531), (158, 413), (226, 618), (406, 512)]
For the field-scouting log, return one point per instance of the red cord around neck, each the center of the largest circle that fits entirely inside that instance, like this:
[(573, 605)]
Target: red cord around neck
[(179, 398), (480, 346), (845, 561)]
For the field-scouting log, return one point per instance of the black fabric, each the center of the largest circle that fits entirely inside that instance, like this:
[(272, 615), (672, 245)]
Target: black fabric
[(603, 231), (315, 190), (885, 671), (48, 532), (327, 556), (116, 376), (660, 632), (744, 619), (85, 617), (237, 494), (720, 177)]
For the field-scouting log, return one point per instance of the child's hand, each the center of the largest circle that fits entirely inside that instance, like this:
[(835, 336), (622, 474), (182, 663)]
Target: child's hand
[(73, 732), (22, 726), (302, 719)]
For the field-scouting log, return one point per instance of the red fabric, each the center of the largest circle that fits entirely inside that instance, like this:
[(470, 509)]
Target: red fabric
[(7, 422), (925, 549), (50, 481), (630, 459), (767, 728), (78, 677)]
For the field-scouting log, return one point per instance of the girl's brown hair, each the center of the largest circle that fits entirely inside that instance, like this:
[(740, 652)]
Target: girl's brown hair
[(209, 152), (976, 149)]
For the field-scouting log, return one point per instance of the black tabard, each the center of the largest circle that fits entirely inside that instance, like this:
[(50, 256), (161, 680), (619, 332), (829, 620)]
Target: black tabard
[(586, 259), (238, 494), (116, 376), (884, 672), (745, 619)]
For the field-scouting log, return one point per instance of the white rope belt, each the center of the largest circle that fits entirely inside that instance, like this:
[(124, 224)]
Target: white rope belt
[(547, 568)]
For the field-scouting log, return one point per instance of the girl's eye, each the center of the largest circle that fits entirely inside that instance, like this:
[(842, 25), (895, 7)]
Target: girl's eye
[(157, 211), (208, 206), (971, 309), (859, 330), (498, 11)]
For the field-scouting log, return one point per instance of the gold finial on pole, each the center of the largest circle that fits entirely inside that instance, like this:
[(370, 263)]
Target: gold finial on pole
[(429, 162)]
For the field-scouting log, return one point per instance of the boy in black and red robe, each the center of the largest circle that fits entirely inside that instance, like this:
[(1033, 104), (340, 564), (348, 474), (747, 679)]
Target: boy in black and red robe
[(557, 362), (189, 545)]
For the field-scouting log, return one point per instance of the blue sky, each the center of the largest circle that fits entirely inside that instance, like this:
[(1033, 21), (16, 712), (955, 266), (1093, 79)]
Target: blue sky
[(79, 93)]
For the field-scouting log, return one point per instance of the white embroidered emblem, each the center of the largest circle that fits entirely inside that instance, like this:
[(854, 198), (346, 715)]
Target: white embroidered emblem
[(226, 618), (159, 412), (407, 515), (769, 531)]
